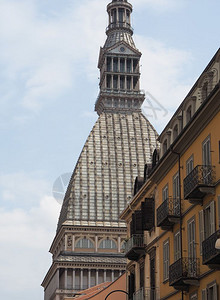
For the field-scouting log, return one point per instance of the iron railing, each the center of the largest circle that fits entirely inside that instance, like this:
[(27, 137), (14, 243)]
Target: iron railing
[(200, 176), (119, 25), (139, 295), (208, 247), (184, 268), (169, 208), (137, 240)]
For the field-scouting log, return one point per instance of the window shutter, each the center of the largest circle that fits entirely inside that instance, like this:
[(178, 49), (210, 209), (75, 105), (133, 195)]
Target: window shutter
[(212, 218), (215, 292), (138, 222), (204, 294), (201, 229), (147, 209)]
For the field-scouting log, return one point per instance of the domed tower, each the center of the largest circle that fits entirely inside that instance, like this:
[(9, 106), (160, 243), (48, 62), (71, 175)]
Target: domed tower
[(87, 248)]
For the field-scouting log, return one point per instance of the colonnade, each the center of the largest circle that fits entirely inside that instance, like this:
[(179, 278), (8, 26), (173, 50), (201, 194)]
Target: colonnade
[(80, 279)]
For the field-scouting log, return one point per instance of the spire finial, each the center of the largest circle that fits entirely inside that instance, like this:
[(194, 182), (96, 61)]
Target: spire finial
[(119, 12)]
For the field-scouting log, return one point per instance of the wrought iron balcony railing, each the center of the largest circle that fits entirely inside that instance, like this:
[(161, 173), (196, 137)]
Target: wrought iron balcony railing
[(168, 213), (199, 182), (211, 255), (134, 247), (184, 272), (119, 25)]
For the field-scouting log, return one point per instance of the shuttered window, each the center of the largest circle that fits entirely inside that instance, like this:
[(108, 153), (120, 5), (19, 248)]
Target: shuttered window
[(204, 294), (148, 214), (201, 229), (212, 291), (166, 260), (177, 246), (165, 193), (207, 224), (189, 165), (206, 152)]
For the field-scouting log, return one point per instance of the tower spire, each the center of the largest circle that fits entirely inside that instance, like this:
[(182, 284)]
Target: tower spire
[(119, 64)]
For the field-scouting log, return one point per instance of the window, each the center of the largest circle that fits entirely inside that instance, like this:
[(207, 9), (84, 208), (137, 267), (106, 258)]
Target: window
[(166, 260), (121, 15), (115, 65), (191, 239), (107, 244), (177, 246), (189, 165), (206, 152), (210, 293), (192, 268), (84, 243), (109, 64), (115, 82), (165, 147), (207, 222), (122, 65), (188, 114), (176, 194), (165, 193), (175, 132)]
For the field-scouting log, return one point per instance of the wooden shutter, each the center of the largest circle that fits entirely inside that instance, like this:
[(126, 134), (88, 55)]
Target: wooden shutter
[(201, 229), (204, 294), (212, 217), (138, 222), (215, 291), (147, 209)]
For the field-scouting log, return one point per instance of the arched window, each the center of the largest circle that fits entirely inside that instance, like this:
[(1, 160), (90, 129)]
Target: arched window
[(123, 245), (84, 243), (175, 132), (165, 146), (107, 244), (205, 91), (188, 114)]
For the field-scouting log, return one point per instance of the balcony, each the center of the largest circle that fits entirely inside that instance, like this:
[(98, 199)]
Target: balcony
[(168, 213), (210, 255), (120, 25), (184, 273), (134, 247), (199, 183)]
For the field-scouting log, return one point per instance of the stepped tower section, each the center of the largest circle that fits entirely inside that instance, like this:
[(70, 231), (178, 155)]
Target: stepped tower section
[(88, 246)]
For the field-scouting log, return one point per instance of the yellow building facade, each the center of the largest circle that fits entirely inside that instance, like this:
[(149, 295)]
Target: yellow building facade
[(174, 217)]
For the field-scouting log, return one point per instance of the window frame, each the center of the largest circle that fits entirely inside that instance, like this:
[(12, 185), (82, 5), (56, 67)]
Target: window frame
[(166, 259)]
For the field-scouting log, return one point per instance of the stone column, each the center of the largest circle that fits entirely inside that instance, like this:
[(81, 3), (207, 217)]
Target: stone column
[(119, 244), (58, 278), (112, 82), (120, 272), (104, 275), (96, 244), (81, 279), (89, 278), (113, 275), (65, 279), (97, 277), (65, 243), (74, 279), (73, 243)]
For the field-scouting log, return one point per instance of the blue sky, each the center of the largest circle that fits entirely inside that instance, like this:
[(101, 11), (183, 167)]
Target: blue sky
[(48, 87)]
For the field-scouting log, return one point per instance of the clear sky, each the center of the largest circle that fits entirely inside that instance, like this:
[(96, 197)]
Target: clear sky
[(48, 87)]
